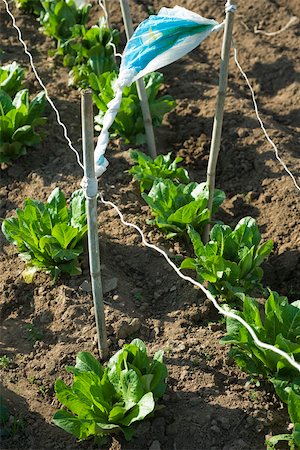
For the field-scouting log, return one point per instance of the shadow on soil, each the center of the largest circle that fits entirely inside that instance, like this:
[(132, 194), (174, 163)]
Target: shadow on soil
[(205, 425)]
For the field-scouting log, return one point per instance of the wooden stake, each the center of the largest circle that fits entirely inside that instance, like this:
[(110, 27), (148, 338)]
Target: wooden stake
[(140, 85), (218, 120), (91, 208)]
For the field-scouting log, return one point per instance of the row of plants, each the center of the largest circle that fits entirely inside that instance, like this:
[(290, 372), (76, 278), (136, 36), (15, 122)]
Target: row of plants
[(101, 401), (89, 54), (50, 237), (20, 117), (230, 265)]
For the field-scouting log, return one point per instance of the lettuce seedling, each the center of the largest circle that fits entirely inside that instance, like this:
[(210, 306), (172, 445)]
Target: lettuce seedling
[(11, 77), (104, 401), (18, 121), (146, 170), (231, 260), (49, 236), (129, 123), (30, 6), (293, 439), (89, 51), (59, 16), (278, 326), (176, 206)]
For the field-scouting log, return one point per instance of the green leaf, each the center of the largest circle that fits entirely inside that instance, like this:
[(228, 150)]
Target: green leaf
[(6, 103), (78, 404), (263, 252), (36, 106), (64, 234), (57, 205), (296, 434), (189, 263), (131, 387), (294, 406), (21, 98), (80, 428), (188, 213), (144, 407), (246, 232), (195, 237), (85, 362)]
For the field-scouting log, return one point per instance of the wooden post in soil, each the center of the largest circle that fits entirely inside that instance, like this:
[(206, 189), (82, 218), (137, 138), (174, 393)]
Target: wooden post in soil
[(218, 120), (91, 190), (140, 85)]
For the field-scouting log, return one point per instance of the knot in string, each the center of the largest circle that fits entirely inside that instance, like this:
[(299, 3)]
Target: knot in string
[(89, 187), (230, 8)]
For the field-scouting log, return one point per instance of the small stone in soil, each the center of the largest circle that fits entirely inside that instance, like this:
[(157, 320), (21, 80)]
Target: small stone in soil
[(85, 286), (155, 446), (109, 284)]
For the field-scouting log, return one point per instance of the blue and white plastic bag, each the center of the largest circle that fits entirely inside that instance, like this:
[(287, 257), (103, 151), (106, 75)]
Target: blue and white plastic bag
[(157, 42)]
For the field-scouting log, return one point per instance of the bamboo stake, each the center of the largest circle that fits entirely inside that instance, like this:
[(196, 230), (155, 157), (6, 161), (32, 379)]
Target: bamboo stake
[(140, 85), (218, 119), (91, 208)]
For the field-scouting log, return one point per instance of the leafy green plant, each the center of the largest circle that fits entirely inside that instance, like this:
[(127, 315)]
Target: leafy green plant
[(176, 206), (11, 77), (19, 119), (89, 51), (49, 236), (146, 170), (5, 362), (293, 439), (129, 122), (278, 326), (109, 400), (31, 6), (59, 16), (231, 260)]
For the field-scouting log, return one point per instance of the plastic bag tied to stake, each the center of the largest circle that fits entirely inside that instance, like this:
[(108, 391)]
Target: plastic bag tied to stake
[(157, 42)]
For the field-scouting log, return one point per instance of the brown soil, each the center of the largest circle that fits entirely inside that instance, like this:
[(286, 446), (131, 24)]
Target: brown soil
[(208, 404)]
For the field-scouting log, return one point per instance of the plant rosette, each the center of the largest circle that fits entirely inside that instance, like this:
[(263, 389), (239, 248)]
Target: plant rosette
[(103, 401), (230, 262), (49, 236), (178, 206)]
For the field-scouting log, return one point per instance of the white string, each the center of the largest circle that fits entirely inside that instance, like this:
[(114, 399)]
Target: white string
[(260, 121), (274, 33), (107, 24), (42, 84), (230, 314)]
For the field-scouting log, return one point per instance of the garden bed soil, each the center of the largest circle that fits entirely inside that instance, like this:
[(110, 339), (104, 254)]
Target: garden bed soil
[(208, 405)]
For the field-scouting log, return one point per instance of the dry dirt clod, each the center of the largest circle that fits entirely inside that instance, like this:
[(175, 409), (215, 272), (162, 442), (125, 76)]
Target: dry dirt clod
[(125, 328)]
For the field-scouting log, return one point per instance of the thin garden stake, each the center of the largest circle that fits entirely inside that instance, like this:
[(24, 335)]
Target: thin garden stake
[(140, 85), (218, 120), (90, 186)]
